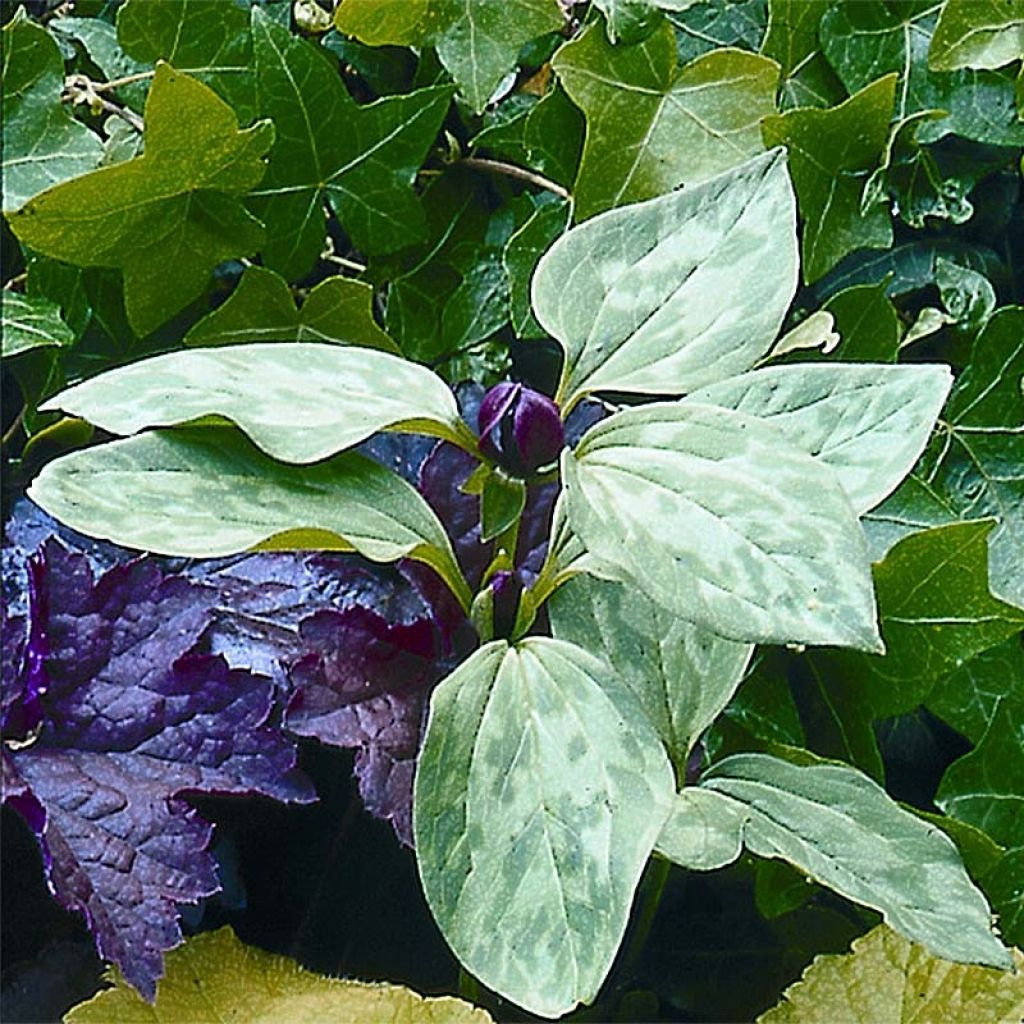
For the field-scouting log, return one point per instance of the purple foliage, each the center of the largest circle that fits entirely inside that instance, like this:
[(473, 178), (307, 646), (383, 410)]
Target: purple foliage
[(520, 428), (130, 718)]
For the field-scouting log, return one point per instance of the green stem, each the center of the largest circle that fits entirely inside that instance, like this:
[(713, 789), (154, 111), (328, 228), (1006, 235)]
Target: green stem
[(469, 987)]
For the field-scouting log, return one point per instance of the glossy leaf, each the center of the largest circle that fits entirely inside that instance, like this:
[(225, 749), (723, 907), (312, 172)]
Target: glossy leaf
[(522, 252), (168, 217), (974, 468), (885, 977), (868, 325), (792, 40), (864, 39), (704, 830), (360, 159), (30, 321), (206, 493), (42, 144), (261, 308), (357, 392), (635, 295), (213, 975), (540, 792), (717, 517), (868, 422), (704, 26), (203, 38), (651, 127), (831, 154), (682, 674), (827, 820)]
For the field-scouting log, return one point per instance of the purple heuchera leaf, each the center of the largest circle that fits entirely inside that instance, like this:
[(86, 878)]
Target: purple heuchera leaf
[(365, 685), (520, 428), (132, 717)]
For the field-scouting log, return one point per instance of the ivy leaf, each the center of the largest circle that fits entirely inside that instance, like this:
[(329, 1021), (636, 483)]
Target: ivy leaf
[(166, 218), (360, 159), (705, 26), (358, 392), (974, 467), (261, 308), (681, 674), (827, 820), (477, 41), (868, 324), (207, 40), (867, 422), (128, 718), (30, 321), (751, 539), (215, 975), (792, 40), (969, 34), (521, 255), (831, 154), (885, 977), (634, 295), (864, 39), (539, 777), (206, 493), (704, 831), (42, 144), (651, 127)]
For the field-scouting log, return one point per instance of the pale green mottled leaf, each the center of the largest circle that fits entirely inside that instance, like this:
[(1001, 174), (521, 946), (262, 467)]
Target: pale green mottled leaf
[(539, 794), (314, 399), (651, 127), (42, 144), (886, 978), (261, 308), (681, 674), (869, 422), (213, 976), (168, 217), (842, 829), (361, 159), (204, 38), (204, 493), (30, 321), (716, 516), (831, 154), (636, 295), (864, 39), (704, 830), (977, 34)]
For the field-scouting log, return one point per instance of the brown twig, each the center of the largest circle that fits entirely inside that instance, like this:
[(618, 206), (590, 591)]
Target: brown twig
[(82, 89), (515, 171)]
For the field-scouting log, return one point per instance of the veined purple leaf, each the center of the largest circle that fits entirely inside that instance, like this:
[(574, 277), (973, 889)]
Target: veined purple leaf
[(131, 719)]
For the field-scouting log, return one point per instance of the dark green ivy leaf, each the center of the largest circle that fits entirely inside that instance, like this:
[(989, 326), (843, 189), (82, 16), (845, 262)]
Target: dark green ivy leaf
[(208, 39), (831, 153), (522, 252), (262, 308), (361, 159), (167, 218), (42, 144), (792, 40), (705, 26), (864, 39), (652, 126)]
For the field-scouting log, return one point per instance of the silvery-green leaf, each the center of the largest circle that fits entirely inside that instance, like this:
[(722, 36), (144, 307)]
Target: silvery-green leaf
[(682, 674), (208, 492), (719, 518), (31, 321), (704, 830), (299, 402), (670, 294), (844, 830), (869, 422), (977, 34), (540, 791)]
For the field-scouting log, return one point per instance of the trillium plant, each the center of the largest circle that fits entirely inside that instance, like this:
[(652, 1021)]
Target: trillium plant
[(619, 548)]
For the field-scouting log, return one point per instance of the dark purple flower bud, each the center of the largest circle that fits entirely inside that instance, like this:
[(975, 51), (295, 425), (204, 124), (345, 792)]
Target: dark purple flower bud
[(520, 429)]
